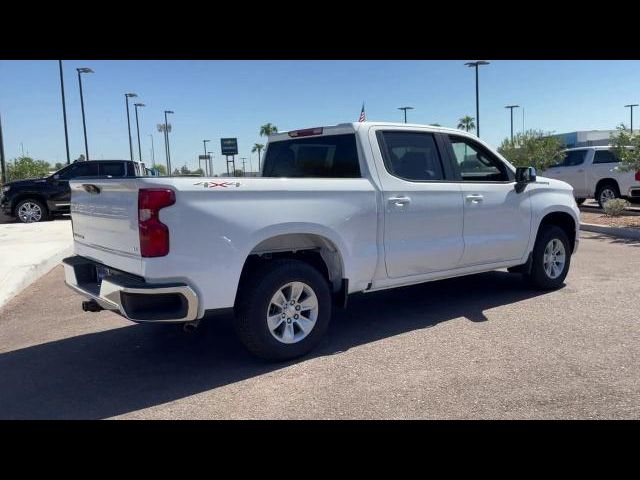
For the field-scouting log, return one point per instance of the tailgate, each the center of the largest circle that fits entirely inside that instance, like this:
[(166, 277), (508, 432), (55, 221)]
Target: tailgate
[(104, 215)]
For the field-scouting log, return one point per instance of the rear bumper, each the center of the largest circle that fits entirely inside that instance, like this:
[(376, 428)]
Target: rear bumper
[(131, 296)]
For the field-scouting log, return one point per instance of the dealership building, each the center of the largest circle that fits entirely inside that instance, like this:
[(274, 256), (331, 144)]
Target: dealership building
[(585, 138)]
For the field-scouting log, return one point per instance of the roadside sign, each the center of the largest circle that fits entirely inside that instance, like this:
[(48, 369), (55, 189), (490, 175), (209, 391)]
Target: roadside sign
[(229, 146)]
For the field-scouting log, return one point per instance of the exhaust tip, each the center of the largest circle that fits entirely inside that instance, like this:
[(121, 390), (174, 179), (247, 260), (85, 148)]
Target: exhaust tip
[(190, 327), (91, 306)]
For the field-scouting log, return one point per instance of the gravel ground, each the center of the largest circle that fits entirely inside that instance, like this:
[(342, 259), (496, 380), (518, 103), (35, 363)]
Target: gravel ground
[(481, 347), (624, 221)]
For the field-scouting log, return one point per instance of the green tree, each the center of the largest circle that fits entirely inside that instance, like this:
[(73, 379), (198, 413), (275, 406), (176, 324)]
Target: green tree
[(257, 147), (238, 173), (629, 157), (184, 170), (467, 123), (59, 166), (533, 148), (199, 171), (268, 129), (435, 124), (26, 167), (161, 169)]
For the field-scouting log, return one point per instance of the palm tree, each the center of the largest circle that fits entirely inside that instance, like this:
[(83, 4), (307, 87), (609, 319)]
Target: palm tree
[(467, 123), (257, 147), (268, 129)]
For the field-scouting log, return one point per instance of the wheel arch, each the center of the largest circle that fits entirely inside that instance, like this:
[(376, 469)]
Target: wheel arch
[(563, 220)]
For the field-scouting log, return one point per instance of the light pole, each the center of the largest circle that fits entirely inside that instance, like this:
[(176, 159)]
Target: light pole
[(210, 155), (631, 108), (84, 123), (2, 160), (166, 140), (136, 105), (476, 65), (127, 96), (511, 107), (405, 112), (206, 164), (64, 113), (244, 172), (153, 153)]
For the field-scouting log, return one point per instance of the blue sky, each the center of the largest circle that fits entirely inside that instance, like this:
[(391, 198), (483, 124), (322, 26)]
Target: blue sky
[(214, 99)]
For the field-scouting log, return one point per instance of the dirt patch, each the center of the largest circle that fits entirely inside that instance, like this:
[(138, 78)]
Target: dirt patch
[(624, 221)]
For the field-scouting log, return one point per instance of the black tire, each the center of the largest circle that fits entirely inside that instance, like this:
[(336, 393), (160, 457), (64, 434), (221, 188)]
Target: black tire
[(538, 276), (254, 299), (44, 212), (580, 201), (607, 186)]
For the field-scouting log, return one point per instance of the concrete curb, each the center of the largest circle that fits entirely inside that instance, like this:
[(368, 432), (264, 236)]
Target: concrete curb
[(27, 275), (628, 233)]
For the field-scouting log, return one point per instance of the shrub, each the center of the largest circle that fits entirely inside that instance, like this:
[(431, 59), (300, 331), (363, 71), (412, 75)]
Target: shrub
[(615, 207)]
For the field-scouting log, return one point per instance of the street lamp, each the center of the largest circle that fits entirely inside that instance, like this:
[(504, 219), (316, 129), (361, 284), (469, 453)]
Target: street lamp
[(153, 154), (210, 155), (206, 164), (84, 123), (166, 140), (511, 107), (126, 99), (3, 172), (64, 112), (405, 112), (136, 105), (631, 108), (476, 65)]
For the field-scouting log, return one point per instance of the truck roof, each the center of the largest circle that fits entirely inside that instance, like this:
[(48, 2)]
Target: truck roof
[(355, 126)]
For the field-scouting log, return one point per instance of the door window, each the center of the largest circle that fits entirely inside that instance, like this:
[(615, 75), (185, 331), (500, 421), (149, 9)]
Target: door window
[(112, 169), (81, 169), (475, 163), (605, 156), (411, 156), (573, 159)]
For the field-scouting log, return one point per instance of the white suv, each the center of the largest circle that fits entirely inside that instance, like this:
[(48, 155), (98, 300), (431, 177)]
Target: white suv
[(593, 173)]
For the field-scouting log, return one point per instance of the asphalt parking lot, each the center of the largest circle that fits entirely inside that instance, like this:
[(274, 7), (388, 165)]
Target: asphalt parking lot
[(478, 347)]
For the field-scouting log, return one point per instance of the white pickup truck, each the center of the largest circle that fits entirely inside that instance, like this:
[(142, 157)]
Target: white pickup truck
[(355, 207), (593, 173)]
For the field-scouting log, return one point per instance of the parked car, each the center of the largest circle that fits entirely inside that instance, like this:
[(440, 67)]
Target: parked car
[(356, 207), (36, 200), (593, 173)]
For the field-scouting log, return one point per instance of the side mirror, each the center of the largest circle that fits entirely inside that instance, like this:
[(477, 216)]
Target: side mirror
[(525, 174)]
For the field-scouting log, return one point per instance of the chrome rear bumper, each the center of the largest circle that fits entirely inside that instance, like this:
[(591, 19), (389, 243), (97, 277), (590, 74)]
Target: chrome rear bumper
[(131, 296)]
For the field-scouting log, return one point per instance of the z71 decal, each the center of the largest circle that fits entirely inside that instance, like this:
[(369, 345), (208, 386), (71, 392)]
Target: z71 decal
[(218, 184)]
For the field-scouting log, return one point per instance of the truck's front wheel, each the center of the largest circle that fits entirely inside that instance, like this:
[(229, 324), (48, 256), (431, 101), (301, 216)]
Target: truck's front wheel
[(283, 309), (551, 258)]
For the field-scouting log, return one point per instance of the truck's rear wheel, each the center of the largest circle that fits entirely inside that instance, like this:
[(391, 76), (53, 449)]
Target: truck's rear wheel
[(551, 258), (580, 201), (607, 191), (283, 310)]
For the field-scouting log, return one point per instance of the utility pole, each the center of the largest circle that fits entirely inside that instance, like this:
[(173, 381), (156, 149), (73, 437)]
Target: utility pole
[(476, 65), (244, 173), (631, 108), (511, 107)]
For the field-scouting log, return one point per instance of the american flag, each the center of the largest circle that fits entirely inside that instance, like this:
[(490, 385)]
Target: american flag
[(362, 116)]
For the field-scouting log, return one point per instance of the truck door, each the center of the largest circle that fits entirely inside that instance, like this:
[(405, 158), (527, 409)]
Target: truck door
[(497, 218), (422, 202)]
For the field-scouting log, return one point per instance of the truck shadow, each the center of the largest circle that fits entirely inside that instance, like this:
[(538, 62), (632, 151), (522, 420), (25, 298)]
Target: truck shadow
[(122, 370)]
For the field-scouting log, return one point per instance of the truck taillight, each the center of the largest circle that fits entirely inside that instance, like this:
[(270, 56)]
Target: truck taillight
[(154, 235), (638, 176)]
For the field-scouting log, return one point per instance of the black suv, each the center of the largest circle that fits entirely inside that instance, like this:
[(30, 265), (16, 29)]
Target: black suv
[(36, 200)]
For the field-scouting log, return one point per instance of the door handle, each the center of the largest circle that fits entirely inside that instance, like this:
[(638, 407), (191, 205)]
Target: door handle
[(580, 171), (399, 201), (474, 198)]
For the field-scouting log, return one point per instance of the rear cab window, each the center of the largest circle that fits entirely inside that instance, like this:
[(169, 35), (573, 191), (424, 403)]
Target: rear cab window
[(113, 169), (330, 156), (605, 156)]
